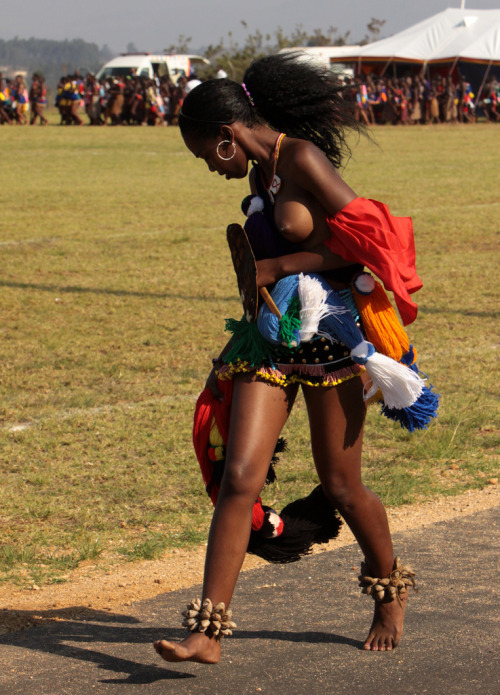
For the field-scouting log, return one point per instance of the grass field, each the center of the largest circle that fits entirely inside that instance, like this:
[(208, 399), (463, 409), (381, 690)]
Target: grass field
[(115, 281)]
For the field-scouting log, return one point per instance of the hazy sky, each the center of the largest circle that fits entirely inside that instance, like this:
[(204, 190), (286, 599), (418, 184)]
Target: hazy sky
[(155, 24)]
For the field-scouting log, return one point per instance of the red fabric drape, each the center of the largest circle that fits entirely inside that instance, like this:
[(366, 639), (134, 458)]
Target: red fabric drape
[(206, 408), (366, 232)]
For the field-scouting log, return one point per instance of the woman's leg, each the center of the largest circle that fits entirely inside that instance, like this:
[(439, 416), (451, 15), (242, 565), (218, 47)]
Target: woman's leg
[(258, 413), (336, 417)]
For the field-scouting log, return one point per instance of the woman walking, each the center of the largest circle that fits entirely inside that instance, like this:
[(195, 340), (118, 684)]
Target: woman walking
[(289, 119)]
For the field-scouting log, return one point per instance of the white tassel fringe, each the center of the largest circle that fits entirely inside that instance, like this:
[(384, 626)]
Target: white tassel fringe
[(314, 307), (399, 384)]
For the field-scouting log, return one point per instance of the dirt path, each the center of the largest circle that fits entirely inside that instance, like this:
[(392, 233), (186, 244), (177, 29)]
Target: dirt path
[(90, 589)]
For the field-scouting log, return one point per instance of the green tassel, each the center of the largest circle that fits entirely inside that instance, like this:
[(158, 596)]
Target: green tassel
[(248, 344), (290, 323)]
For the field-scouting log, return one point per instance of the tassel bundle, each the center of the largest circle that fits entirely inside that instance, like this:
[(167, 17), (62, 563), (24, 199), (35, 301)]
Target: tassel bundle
[(405, 396), (400, 386), (247, 343), (286, 330), (314, 307), (306, 522), (310, 308), (419, 415), (380, 322)]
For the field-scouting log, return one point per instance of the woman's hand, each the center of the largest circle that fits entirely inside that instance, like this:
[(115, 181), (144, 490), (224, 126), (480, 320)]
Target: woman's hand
[(267, 272), (211, 384)]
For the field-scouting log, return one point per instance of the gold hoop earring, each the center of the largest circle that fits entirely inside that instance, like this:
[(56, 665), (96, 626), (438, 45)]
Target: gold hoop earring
[(224, 142)]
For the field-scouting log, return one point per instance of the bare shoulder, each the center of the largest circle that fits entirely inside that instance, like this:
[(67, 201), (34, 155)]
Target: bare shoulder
[(303, 152), (311, 169), (304, 159)]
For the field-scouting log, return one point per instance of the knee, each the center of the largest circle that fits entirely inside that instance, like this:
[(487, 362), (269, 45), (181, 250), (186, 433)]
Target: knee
[(239, 480), (343, 492)]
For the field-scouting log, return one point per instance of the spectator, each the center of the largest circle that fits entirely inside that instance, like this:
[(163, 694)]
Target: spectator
[(490, 102), (6, 115), (92, 94), (22, 100), (115, 103), (193, 82), (38, 99), (451, 102)]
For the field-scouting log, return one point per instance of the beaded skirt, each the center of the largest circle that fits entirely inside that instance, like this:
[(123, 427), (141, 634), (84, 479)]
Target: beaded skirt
[(321, 362)]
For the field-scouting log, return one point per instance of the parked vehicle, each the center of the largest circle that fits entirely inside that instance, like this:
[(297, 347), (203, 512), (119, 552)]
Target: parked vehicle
[(151, 65)]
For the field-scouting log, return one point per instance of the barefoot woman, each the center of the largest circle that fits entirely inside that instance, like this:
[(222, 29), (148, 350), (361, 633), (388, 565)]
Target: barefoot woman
[(289, 120)]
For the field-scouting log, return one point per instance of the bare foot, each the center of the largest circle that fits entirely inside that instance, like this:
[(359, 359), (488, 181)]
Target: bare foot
[(387, 626), (196, 647)]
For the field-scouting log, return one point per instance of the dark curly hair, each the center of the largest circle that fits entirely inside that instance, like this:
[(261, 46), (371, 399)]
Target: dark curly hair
[(290, 92)]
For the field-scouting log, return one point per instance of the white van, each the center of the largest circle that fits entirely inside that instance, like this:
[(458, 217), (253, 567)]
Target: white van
[(149, 65)]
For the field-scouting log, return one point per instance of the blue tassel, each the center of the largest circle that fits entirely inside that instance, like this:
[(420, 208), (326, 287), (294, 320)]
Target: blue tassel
[(348, 299), (284, 291), (342, 324), (409, 358), (418, 415)]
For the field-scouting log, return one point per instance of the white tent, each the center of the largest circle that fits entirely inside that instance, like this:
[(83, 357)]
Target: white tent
[(451, 35)]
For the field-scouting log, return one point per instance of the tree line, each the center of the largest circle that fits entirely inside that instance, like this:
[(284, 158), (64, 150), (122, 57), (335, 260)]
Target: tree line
[(52, 58), (234, 57), (55, 58)]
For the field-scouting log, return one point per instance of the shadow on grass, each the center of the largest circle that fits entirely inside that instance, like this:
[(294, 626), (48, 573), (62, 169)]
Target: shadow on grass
[(450, 311), (85, 638), (74, 289)]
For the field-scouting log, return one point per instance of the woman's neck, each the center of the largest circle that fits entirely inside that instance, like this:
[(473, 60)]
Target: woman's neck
[(259, 144)]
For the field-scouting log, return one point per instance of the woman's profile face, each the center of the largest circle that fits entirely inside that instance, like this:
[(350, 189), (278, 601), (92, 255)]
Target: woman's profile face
[(221, 155)]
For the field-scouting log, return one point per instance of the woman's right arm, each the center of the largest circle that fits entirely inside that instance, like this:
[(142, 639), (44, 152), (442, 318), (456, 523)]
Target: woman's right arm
[(211, 382)]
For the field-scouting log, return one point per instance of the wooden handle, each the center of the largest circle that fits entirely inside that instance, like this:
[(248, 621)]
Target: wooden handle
[(270, 302)]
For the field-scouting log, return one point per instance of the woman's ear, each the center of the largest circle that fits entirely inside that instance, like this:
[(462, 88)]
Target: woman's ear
[(227, 133)]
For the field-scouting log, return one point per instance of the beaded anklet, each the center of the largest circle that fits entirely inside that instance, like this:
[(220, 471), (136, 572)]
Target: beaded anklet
[(214, 621), (388, 588)]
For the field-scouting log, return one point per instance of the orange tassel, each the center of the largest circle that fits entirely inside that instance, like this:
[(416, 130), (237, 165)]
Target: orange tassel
[(381, 324)]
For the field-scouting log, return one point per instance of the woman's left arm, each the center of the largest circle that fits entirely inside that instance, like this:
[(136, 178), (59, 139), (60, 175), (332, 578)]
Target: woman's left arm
[(317, 260)]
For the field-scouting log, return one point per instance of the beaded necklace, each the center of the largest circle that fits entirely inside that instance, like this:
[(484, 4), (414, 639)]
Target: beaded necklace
[(275, 184)]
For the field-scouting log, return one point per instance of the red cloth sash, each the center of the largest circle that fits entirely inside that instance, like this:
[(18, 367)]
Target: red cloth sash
[(208, 408), (366, 232)]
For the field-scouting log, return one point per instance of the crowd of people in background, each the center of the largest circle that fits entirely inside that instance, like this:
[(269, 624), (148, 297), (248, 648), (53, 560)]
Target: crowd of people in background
[(131, 100), (135, 100), (18, 104), (417, 100)]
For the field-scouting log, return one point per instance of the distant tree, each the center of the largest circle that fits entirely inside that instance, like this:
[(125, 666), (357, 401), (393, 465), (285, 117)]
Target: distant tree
[(182, 45), (132, 48), (235, 58), (52, 58), (374, 28), (318, 38), (106, 53)]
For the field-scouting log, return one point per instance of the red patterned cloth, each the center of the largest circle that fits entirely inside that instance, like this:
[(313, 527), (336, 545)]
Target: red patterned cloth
[(208, 407), (207, 410), (366, 232)]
